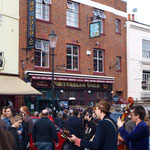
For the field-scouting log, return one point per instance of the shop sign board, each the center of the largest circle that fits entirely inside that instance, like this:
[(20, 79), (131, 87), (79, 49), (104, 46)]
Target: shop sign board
[(31, 25)]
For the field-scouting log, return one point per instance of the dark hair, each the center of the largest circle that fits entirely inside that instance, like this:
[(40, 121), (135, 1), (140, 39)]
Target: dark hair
[(139, 110), (7, 142), (76, 112), (11, 109)]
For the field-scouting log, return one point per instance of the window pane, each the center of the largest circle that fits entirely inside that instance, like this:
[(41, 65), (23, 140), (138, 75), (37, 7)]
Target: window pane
[(95, 53), (95, 65), (145, 49), (72, 14), (42, 55), (68, 49), (72, 57), (42, 10), (68, 62), (75, 63), (118, 61), (45, 59), (98, 60), (75, 50), (37, 59), (100, 66)]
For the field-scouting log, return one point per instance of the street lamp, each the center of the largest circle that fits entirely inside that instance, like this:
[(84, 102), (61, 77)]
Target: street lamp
[(52, 43)]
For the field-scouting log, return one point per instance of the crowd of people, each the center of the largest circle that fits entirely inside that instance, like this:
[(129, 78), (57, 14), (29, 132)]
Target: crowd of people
[(89, 129)]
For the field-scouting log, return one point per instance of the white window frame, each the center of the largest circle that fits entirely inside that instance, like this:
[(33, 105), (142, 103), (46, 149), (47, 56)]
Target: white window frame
[(98, 59), (72, 14), (99, 15), (72, 57), (146, 78), (42, 48), (43, 9), (145, 49)]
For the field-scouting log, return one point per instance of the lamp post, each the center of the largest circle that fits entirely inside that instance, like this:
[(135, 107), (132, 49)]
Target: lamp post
[(52, 43)]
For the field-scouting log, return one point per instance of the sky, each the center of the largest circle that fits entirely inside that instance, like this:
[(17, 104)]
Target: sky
[(143, 10)]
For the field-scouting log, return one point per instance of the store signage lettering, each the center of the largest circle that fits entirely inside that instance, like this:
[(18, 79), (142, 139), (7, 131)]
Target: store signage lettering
[(31, 24), (76, 84)]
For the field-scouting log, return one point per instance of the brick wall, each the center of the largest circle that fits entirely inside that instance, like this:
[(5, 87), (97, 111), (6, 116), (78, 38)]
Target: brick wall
[(112, 43)]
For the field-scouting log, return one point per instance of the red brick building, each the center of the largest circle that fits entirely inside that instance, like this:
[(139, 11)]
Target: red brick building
[(90, 55)]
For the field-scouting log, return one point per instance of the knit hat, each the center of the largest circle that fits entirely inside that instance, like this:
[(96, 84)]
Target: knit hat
[(104, 105)]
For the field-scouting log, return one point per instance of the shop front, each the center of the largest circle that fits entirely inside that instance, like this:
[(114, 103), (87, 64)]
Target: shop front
[(70, 89), (12, 91)]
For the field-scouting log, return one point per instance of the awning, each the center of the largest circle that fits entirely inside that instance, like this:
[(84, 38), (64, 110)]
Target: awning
[(12, 85)]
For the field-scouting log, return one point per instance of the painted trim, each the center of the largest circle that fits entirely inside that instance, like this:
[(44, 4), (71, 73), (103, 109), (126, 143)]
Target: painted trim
[(103, 7), (67, 75)]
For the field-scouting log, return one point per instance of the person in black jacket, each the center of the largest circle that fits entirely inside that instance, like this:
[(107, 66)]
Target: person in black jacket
[(44, 132), (106, 131), (16, 123), (74, 125)]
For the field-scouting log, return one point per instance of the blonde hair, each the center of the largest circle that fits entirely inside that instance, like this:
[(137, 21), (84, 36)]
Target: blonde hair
[(16, 118)]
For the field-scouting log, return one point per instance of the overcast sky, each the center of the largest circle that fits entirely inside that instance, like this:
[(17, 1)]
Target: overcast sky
[(143, 10)]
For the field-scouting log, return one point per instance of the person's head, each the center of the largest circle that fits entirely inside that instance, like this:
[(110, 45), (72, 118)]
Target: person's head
[(138, 113), (24, 111), (102, 109), (7, 142), (60, 114), (36, 114), (49, 111), (16, 121), (9, 111), (88, 114), (76, 112), (3, 112), (44, 113)]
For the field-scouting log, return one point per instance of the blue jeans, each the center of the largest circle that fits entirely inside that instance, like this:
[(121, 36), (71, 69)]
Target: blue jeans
[(44, 145)]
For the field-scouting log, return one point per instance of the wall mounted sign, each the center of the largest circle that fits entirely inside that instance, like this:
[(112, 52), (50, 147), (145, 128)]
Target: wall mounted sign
[(31, 24), (95, 29)]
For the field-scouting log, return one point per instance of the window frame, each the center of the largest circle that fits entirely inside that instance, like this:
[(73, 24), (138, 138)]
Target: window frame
[(73, 13), (118, 26), (42, 51), (118, 58), (146, 49), (49, 14), (73, 56), (145, 77), (98, 60)]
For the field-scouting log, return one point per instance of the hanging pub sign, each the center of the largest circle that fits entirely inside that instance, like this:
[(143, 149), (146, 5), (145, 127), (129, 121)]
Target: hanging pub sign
[(95, 29), (31, 24)]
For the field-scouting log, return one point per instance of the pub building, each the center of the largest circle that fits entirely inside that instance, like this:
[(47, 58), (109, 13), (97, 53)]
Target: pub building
[(69, 89)]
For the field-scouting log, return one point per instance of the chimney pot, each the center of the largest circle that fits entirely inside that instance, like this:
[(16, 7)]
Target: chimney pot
[(133, 17), (129, 18)]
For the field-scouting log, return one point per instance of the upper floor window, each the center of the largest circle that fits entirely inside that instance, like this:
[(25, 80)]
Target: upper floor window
[(72, 57), (72, 16), (41, 53), (145, 49), (98, 57), (98, 15), (118, 63), (43, 9), (118, 26)]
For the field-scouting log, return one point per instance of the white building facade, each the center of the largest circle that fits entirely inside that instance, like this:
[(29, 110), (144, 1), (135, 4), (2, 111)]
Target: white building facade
[(9, 36), (138, 61)]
